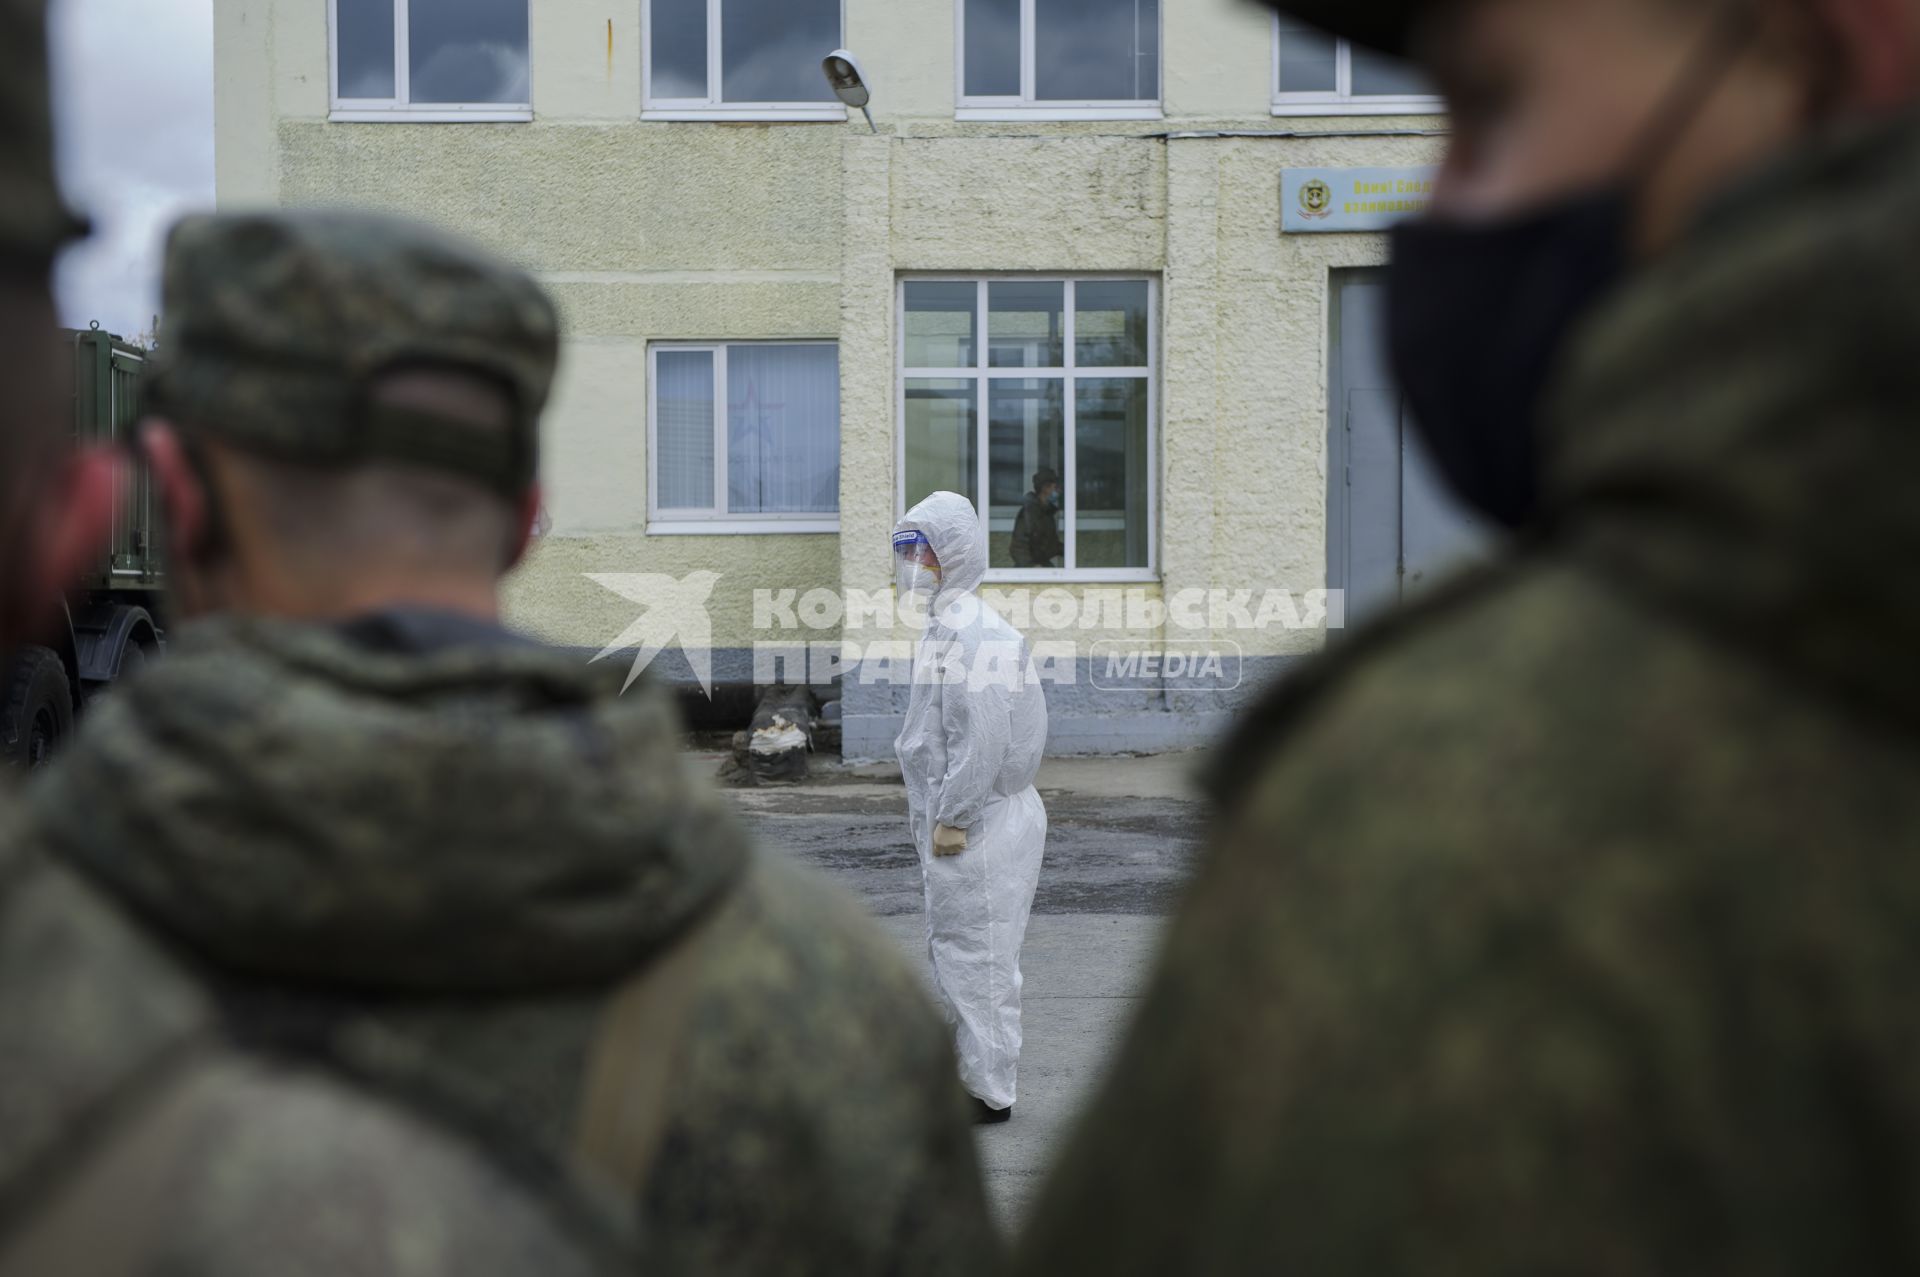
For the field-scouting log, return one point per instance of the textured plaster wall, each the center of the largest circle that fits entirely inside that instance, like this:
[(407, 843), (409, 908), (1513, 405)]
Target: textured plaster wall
[(868, 505), (1073, 202), (595, 468), (1246, 416), (747, 248), (594, 462), (551, 595), (636, 199)]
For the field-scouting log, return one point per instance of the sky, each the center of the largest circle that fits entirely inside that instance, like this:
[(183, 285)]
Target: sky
[(133, 111)]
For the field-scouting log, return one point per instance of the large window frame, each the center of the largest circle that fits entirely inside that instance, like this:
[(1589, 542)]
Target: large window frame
[(1342, 100), (716, 520), (984, 372), (400, 108), (1027, 106), (712, 107)]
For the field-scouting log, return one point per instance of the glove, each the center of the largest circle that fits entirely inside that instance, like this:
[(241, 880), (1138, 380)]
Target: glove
[(948, 841)]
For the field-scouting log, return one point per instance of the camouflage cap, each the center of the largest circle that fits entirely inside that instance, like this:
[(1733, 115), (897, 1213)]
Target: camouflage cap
[(277, 325), (34, 221)]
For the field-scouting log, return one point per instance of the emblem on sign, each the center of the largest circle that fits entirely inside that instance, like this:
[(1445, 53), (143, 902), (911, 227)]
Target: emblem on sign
[(1316, 199)]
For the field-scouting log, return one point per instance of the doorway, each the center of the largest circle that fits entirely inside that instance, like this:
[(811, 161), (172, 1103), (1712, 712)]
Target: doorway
[(1393, 527)]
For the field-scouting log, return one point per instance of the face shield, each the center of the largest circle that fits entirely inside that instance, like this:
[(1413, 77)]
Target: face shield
[(916, 568)]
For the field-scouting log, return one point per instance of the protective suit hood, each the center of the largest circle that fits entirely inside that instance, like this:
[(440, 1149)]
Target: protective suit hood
[(406, 803), (952, 527)]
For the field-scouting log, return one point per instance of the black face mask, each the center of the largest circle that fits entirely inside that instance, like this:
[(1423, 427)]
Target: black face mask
[(1479, 313)]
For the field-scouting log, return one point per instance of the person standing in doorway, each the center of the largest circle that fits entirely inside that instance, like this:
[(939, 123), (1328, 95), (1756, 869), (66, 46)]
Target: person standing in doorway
[(969, 751), (1036, 537)]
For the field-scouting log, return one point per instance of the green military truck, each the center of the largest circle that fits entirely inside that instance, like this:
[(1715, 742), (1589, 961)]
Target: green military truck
[(112, 623)]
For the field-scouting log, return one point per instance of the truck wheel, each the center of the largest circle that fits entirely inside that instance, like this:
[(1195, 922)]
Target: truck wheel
[(36, 716)]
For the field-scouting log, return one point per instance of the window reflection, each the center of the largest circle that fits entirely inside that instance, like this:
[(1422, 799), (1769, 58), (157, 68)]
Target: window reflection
[(466, 51)]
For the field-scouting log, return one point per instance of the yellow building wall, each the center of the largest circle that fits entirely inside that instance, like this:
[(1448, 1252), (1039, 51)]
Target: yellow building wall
[(650, 231)]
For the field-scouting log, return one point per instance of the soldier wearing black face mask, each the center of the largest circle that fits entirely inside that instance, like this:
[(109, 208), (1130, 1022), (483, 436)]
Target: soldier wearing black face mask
[(1563, 923)]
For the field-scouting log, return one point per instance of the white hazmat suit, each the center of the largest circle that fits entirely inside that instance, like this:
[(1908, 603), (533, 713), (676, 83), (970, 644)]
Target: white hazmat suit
[(969, 751)]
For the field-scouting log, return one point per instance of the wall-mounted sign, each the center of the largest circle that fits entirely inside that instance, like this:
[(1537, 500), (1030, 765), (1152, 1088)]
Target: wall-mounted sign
[(1353, 199)]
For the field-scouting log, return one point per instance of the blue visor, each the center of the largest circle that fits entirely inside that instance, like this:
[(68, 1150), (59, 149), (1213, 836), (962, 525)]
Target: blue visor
[(909, 545)]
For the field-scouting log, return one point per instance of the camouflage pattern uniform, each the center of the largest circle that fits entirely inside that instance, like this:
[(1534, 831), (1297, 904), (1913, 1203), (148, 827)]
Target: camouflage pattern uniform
[(1566, 924), (448, 854), (135, 1136)]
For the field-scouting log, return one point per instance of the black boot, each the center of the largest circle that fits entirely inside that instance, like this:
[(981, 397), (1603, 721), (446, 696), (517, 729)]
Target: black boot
[(984, 1114)]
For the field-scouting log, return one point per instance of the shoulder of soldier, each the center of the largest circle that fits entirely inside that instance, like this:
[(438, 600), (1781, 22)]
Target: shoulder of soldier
[(1536, 811), (1539, 712), (88, 1004), (807, 944), (810, 1026), (1826, 227), (1465, 654), (120, 1106), (1458, 696), (231, 1164), (649, 732), (821, 1113)]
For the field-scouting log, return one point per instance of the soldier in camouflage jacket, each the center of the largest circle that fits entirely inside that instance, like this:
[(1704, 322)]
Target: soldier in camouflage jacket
[(390, 829), (1565, 923), (136, 1135)]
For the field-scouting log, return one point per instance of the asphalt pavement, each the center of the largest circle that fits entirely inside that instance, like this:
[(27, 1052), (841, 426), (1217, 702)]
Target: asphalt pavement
[(1122, 835)]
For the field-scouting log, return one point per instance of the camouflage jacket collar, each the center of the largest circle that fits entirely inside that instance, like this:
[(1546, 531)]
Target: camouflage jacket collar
[(295, 802), (1735, 439)]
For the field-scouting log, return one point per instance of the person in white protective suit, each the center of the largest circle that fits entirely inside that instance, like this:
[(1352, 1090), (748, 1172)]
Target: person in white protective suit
[(976, 727)]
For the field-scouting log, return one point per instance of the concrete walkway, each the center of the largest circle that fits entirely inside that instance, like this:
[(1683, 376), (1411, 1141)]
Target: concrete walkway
[(1121, 839)]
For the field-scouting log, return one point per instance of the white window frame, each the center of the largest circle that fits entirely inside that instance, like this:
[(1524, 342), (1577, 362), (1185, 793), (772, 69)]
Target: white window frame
[(712, 107), (1342, 100), (716, 520), (1069, 372), (1029, 107), (398, 108)]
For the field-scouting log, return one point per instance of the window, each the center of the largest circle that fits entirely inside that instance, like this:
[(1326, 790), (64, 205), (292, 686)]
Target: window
[(745, 437), (1318, 74), (447, 59), (740, 59), (1003, 378), (1067, 58)]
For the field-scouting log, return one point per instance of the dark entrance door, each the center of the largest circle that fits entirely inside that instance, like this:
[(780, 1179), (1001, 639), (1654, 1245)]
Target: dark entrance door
[(1392, 526)]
